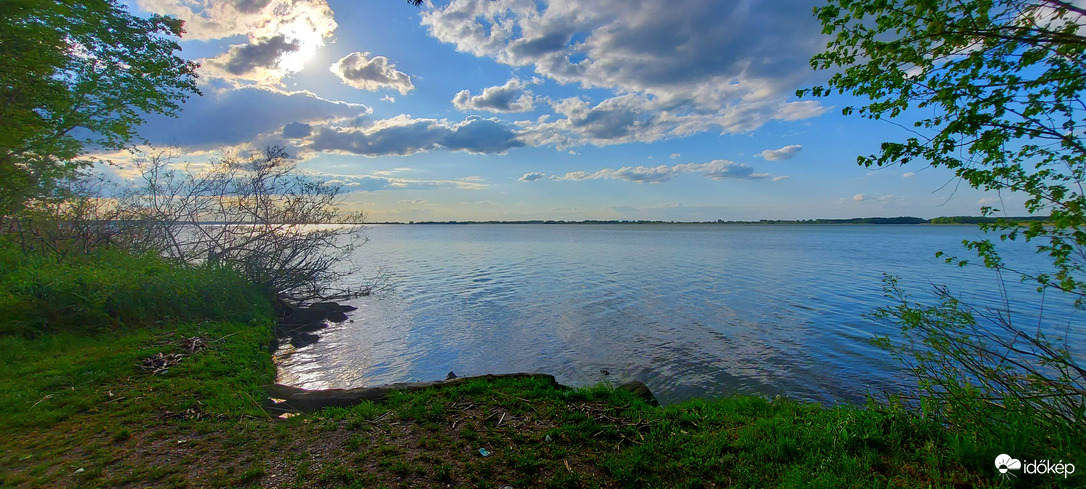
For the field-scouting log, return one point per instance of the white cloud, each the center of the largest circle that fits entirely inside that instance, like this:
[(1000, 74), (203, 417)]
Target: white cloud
[(260, 19), (716, 169), (404, 135), (908, 174), (674, 156), (257, 61), (364, 73), (532, 176), (388, 98), (374, 183), (511, 97), (678, 66), (784, 153), (859, 197), (282, 34), (635, 117), (244, 115)]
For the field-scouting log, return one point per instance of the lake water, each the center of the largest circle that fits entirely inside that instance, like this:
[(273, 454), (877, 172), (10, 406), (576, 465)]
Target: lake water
[(691, 310)]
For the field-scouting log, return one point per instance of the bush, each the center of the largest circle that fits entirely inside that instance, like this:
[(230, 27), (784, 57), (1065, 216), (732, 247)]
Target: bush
[(284, 230), (109, 288), (1006, 387)]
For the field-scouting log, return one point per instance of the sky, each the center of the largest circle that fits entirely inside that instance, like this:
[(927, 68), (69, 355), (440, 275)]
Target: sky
[(679, 110)]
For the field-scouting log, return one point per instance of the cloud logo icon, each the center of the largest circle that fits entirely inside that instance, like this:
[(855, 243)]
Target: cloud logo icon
[(1004, 463)]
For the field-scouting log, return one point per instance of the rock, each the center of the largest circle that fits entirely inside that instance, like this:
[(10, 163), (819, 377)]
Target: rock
[(639, 389), (450, 376), (308, 317), (282, 307), (333, 311), (302, 340), (332, 307), (304, 316), (337, 316)]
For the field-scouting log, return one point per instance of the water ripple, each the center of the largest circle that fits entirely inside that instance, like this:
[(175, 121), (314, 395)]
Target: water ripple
[(692, 311)]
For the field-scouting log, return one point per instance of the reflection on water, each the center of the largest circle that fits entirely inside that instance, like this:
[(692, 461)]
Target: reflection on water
[(691, 310)]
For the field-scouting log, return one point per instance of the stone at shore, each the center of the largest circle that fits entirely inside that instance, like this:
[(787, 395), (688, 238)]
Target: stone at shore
[(297, 318), (302, 340), (298, 323), (639, 389)]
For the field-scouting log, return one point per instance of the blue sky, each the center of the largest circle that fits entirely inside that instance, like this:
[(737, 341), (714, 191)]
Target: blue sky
[(524, 109)]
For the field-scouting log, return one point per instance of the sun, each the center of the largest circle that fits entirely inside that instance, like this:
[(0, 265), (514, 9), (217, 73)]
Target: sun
[(308, 39)]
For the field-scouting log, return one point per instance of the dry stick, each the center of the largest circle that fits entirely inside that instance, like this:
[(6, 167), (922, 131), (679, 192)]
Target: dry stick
[(47, 396), (266, 413), (227, 336)]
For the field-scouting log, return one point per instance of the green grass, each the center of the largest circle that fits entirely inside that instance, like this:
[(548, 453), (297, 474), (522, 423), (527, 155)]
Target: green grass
[(111, 289), (79, 411)]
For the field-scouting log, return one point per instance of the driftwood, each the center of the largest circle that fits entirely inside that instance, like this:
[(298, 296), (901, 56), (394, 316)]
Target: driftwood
[(314, 400), (296, 399)]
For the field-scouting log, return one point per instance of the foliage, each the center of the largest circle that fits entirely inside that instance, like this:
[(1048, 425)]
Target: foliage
[(1001, 85), (283, 230), (76, 75), (979, 369), (108, 289), (79, 223)]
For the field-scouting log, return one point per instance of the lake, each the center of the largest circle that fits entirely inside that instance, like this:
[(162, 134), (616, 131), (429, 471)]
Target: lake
[(691, 310)]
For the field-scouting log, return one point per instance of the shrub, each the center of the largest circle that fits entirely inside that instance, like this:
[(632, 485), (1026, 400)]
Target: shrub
[(110, 288)]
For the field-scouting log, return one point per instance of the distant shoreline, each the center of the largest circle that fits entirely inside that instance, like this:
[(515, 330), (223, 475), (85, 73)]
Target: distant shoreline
[(856, 220)]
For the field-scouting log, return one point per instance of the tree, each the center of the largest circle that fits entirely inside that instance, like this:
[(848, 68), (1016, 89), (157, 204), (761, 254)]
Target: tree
[(78, 75), (1001, 85), (286, 232), (1004, 81)]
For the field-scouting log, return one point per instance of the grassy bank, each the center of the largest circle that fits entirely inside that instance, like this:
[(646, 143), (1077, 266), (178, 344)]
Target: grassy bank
[(122, 371)]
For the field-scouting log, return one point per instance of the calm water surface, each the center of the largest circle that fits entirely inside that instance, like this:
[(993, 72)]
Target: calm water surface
[(691, 310)]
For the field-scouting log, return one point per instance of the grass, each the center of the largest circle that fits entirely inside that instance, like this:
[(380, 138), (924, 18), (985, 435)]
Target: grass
[(80, 410)]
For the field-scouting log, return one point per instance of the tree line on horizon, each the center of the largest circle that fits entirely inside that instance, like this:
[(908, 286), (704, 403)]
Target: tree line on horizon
[(854, 220)]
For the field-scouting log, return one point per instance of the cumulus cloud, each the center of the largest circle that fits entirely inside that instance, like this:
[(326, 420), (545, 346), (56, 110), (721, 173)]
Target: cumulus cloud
[(859, 197), (908, 174), (243, 59), (296, 130), (258, 62), (282, 34), (404, 135), (260, 19), (244, 115), (511, 97), (785, 153), (716, 169), (693, 65), (635, 117), (361, 71), (532, 176), (374, 183)]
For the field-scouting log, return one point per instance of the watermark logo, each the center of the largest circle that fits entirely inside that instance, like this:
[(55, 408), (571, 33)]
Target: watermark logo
[(1005, 464)]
